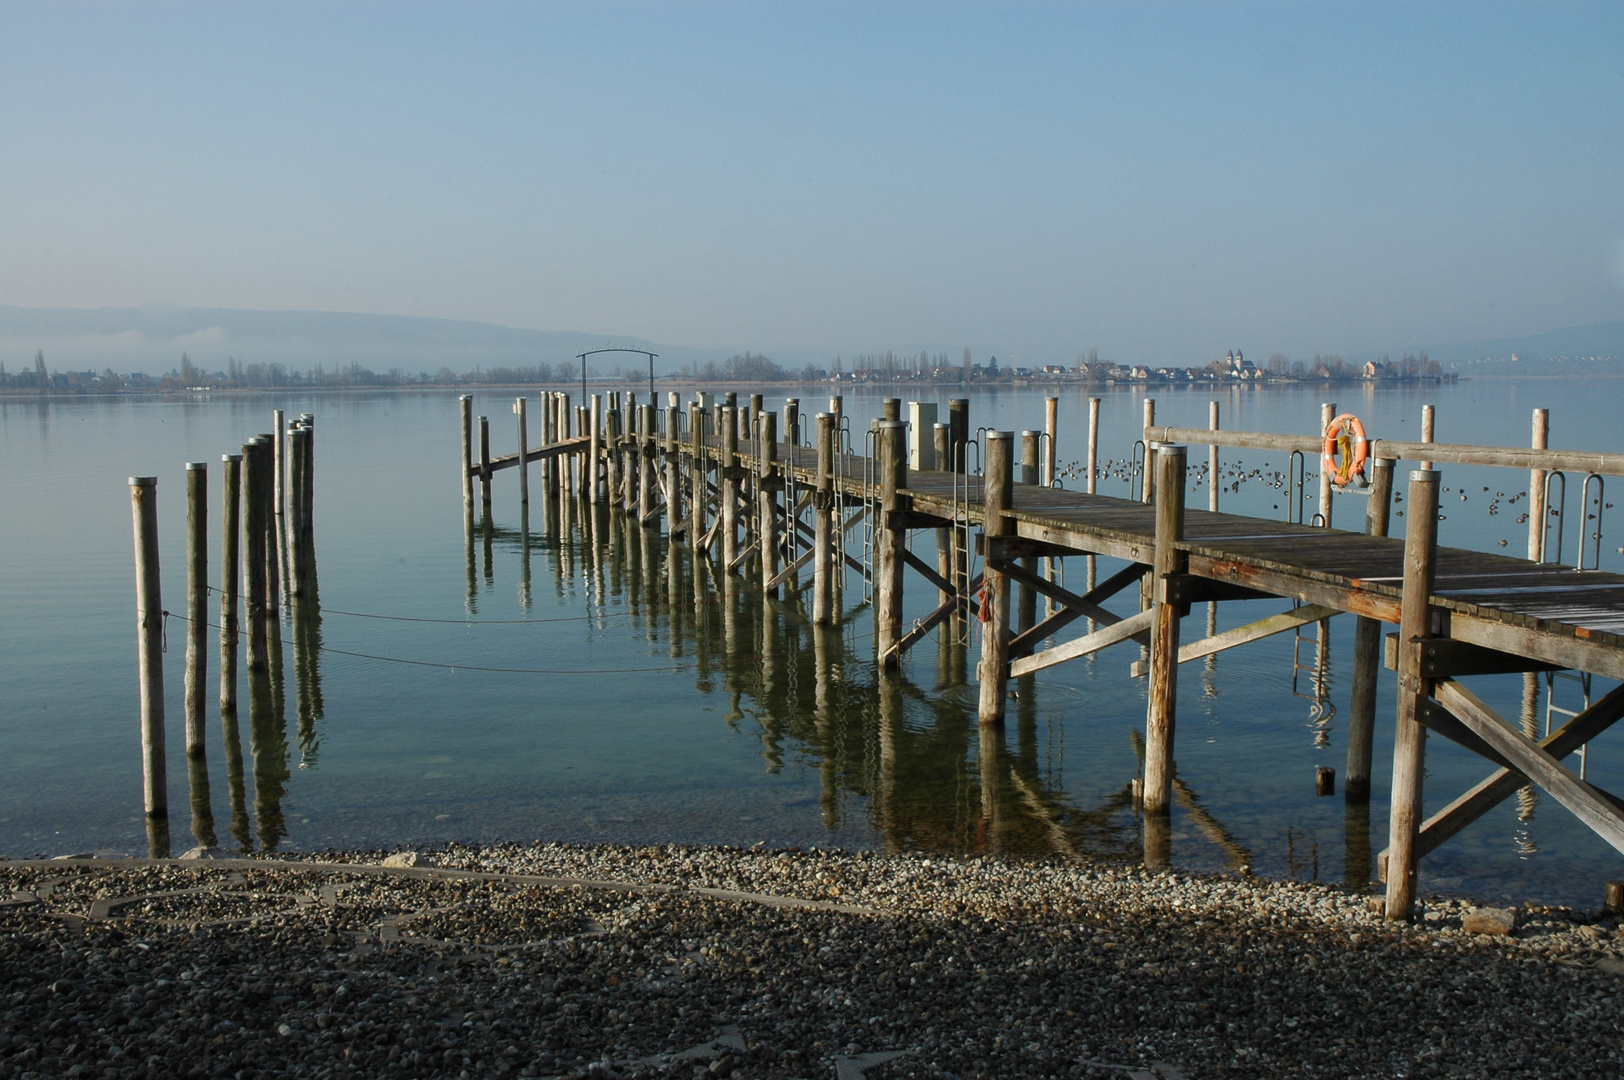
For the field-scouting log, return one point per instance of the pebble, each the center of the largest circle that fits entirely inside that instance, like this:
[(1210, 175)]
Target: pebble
[(553, 960)]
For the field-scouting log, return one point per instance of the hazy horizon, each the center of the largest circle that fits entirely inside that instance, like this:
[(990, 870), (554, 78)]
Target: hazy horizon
[(1030, 180)]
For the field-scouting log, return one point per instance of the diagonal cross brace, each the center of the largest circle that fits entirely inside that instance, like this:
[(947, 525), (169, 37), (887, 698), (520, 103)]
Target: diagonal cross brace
[(1076, 606)]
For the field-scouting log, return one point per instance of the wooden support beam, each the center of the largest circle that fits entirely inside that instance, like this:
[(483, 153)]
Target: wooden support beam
[(926, 571), (933, 620), (1603, 818), (1496, 788), (1299, 587), (994, 669), (915, 519), (1243, 635), (1560, 649), (1132, 626), (1367, 634), (889, 546), (1076, 607), (1187, 589), (1021, 547)]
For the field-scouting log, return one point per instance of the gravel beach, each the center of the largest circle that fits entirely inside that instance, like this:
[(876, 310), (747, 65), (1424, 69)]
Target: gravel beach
[(557, 960)]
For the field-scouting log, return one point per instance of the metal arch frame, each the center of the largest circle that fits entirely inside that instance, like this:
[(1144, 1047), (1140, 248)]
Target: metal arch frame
[(594, 352)]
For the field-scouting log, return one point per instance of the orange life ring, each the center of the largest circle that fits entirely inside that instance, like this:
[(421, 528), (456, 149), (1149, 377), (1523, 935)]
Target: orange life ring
[(1346, 449)]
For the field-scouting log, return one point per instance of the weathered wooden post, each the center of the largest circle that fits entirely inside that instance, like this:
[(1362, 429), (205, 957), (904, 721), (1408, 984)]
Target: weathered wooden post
[(521, 410), (889, 538), (942, 436), (255, 501), (1410, 738), (583, 461), (1170, 467), (1429, 415), (149, 641), (958, 426), (837, 409), (890, 409), (301, 553), (197, 595), (824, 525), (485, 465), (1051, 427), (1212, 458), (645, 463), (768, 484), (631, 447), (466, 406), (1093, 443), (230, 535), (729, 471), (594, 452), (1536, 490), (561, 402), (611, 452), (698, 496), (1148, 489), (307, 490), (1327, 414), (1026, 606), (673, 437), (1367, 652), (993, 671), (792, 421)]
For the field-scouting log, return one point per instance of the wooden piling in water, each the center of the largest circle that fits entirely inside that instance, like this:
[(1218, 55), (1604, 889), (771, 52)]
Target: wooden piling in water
[(941, 435), (645, 463), (255, 502), (485, 465), (729, 485), (673, 440), (230, 568), (889, 538), (993, 671), (521, 410), (1051, 430), (1429, 416), (197, 594), (149, 626), (1093, 463), (301, 554), (1327, 414), (768, 484), (1409, 739), (824, 524), (1536, 491), (1026, 599), (466, 406), (595, 451), (1367, 652), (1170, 465)]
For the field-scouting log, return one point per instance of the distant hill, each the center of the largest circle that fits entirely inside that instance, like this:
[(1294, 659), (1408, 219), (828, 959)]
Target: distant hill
[(1596, 348), (152, 340)]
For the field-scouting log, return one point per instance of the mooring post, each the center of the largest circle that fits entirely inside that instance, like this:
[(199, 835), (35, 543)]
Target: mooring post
[(645, 463), (230, 535), (824, 525), (1148, 488), (631, 447), (1026, 600), (889, 538), (307, 520), (582, 455), (1410, 738), (594, 452), (673, 440), (466, 405), (792, 421), (942, 437), (958, 426), (561, 430), (697, 500), (485, 465), (767, 487), (837, 409), (1212, 458), (1429, 415), (1327, 414), (1170, 467), (1367, 651), (993, 671), (611, 452), (1536, 490), (1093, 443), (254, 504), (890, 409), (149, 628), (299, 512), (729, 471), (197, 597), (520, 410), (1051, 429)]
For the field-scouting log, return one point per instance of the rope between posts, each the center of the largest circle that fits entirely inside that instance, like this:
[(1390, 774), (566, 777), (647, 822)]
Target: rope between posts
[(454, 667)]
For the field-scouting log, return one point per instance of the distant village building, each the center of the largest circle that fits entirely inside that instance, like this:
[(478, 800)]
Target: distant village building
[(1375, 369)]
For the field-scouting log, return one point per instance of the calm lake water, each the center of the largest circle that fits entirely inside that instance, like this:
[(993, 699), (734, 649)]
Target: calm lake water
[(571, 677)]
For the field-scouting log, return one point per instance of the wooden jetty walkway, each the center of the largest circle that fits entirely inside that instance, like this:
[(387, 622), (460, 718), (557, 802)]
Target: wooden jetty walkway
[(719, 475)]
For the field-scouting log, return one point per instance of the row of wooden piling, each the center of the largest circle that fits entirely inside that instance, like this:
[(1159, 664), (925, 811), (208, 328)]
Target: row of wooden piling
[(267, 553)]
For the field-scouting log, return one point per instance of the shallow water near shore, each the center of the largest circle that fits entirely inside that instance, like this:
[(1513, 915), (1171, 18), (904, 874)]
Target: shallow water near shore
[(563, 674)]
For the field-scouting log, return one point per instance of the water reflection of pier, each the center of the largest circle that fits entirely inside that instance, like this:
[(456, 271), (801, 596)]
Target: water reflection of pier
[(925, 775)]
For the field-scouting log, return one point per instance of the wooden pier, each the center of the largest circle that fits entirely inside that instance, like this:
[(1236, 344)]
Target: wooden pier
[(829, 495)]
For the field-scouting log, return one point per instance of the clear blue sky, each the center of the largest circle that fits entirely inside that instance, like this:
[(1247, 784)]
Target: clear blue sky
[(1157, 181)]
